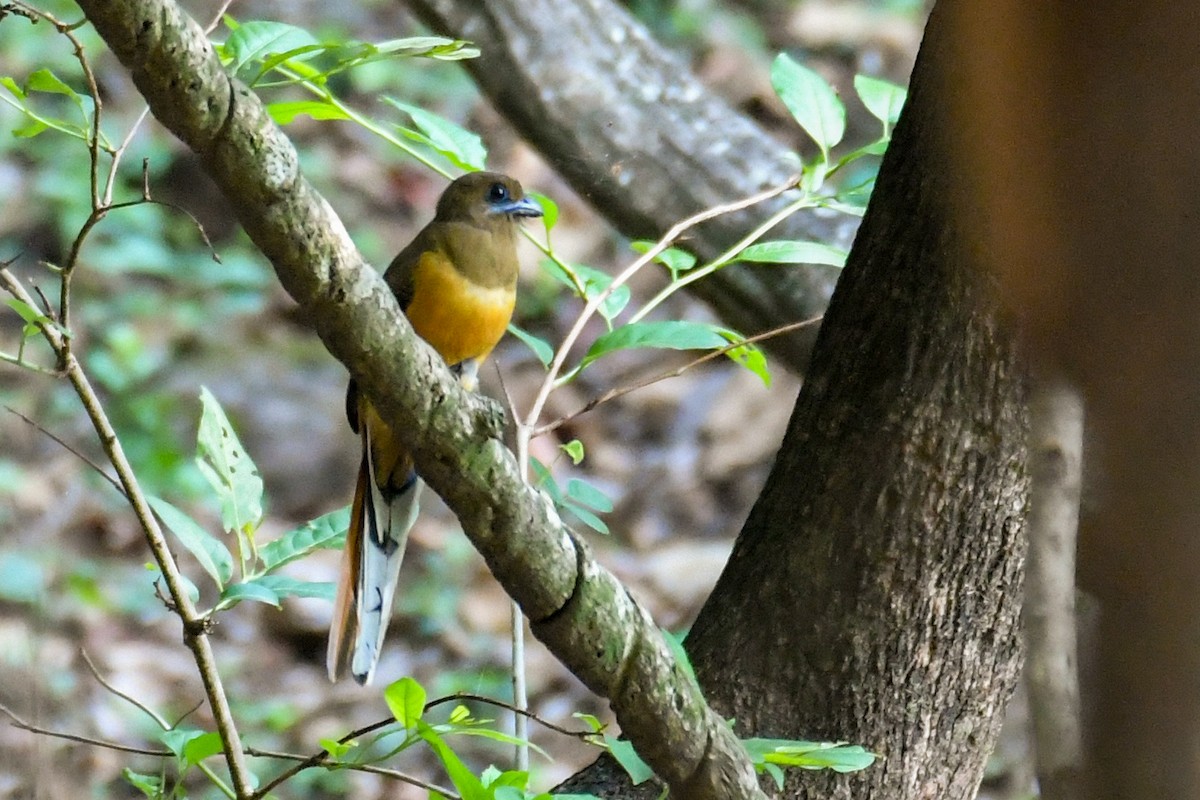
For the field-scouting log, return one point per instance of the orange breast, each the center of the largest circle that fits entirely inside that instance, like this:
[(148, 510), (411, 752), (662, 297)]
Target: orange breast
[(461, 319)]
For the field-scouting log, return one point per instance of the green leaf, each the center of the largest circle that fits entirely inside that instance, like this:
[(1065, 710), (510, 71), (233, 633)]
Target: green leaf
[(793, 252), (639, 772), (438, 47), (464, 149), (326, 532), (544, 479), (335, 748), (230, 471), (464, 781), (256, 40), (585, 516), (594, 282), (190, 745), (287, 586), (776, 774), (284, 112), (203, 746), (542, 350), (667, 335), (248, 590), (13, 89), (30, 129), (748, 355), (675, 642), (591, 720), (672, 258), (811, 100), (574, 449), (206, 548), (549, 210), (472, 728), (406, 699), (587, 495), (43, 80), (149, 785), (26, 311), (883, 99), (836, 756)]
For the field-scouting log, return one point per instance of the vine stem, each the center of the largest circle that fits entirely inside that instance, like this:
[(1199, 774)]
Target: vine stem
[(195, 626)]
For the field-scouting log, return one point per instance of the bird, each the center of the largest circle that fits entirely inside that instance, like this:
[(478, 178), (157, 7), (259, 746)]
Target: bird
[(456, 283)]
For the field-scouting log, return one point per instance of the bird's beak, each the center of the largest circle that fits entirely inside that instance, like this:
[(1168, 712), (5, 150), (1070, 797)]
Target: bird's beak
[(525, 207)]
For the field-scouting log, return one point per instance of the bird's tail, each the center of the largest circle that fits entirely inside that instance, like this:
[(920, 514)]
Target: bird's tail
[(379, 524)]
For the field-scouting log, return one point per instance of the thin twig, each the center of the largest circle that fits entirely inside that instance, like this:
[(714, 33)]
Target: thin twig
[(621, 391), (372, 768), (478, 698), (70, 449), (18, 722), (106, 744), (162, 723), (194, 625)]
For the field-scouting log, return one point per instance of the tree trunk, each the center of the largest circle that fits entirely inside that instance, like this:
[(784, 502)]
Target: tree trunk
[(873, 595), (1094, 202)]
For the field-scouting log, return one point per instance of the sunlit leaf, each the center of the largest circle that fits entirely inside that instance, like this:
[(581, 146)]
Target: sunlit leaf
[(793, 252), (149, 785), (574, 449), (406, 700), (673, 258), (203, 746), (811, 100), (669, 335), (259, 39), (549, 210), (43, 80), (464, 148), (229, 469), (835, 756), (540, 347), (284, 112), (638, 770), (468, 786), (882, 98)]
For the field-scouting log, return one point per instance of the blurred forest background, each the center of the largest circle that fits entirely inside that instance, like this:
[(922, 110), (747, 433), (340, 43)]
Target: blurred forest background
[(157, 318)]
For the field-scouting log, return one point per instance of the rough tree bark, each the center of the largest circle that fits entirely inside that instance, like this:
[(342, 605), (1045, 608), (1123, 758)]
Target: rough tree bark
[(874, 593), (1092, 195), (644, 142)]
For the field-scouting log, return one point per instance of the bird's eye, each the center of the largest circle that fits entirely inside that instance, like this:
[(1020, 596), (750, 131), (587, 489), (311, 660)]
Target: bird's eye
[(497, 193)]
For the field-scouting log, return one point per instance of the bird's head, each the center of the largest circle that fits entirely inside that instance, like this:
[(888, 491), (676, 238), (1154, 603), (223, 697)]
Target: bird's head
[(485, 198)]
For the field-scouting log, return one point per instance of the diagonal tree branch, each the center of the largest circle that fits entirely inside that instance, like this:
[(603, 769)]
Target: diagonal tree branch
[(578, 609)]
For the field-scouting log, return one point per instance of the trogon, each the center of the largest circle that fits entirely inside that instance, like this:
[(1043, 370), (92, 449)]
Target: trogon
[(456, 282)]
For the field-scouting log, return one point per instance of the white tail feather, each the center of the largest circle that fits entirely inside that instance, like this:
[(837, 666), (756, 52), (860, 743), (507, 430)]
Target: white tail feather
[(384, 536)]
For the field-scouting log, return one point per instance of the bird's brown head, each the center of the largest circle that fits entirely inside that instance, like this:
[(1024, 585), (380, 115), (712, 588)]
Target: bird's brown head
[(485, 199)]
